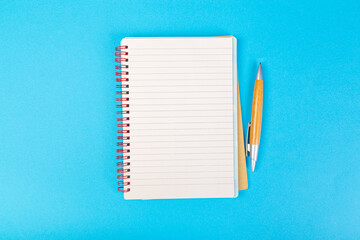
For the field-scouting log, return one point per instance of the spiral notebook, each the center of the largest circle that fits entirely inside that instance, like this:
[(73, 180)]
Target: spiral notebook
[(178, 122)]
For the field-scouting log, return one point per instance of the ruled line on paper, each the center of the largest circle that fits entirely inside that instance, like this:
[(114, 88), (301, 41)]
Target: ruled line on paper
[(184, 178), (179, 153), (135, 148), (186, 110), (174, 79), (198, 134), (168, 123), (177, 104), (134, 74), (185, 172), (184, 160), (161, 86), (178, 116), (180, 128), (207, 91), (130, 61), (178, 54), (162, 184), (174, 48), (179, 98), (218, 66)]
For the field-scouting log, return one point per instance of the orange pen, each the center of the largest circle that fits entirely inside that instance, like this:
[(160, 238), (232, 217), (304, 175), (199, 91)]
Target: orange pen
[(254, 127)]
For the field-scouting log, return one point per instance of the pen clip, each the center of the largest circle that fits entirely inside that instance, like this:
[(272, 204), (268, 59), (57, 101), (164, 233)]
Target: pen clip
[(247, 149)]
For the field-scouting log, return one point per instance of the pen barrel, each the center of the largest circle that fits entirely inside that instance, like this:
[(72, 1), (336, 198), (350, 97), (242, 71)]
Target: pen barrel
[(256, 113)]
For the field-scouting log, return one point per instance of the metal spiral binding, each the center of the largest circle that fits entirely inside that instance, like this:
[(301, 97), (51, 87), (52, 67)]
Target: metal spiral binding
[(123, 153)]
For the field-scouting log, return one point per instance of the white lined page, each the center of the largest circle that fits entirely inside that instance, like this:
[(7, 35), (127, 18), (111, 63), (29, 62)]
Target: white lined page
[(182, 97)]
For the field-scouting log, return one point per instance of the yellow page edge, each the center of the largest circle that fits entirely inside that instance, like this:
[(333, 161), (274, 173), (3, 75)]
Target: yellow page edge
[(242, 174)]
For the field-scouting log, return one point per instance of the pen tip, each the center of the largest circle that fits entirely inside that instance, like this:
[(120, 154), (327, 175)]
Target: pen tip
[(259, 73), (253, 162)]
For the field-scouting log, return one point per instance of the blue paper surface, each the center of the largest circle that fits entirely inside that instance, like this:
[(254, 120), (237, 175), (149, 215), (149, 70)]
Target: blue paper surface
[(58, 121)]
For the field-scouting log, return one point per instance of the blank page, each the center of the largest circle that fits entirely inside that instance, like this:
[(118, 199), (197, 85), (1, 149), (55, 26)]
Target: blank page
[(183, 133)]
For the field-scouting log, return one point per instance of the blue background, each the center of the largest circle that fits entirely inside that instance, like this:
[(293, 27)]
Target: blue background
[(58, 123)]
